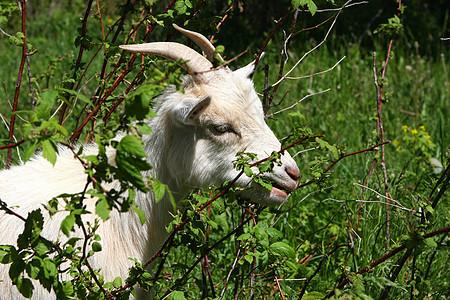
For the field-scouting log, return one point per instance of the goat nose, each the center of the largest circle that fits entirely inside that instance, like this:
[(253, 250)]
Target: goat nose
[(294, 173)]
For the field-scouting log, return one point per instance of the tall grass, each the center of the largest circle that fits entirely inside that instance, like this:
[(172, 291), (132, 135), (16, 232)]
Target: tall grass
[(335, 228)]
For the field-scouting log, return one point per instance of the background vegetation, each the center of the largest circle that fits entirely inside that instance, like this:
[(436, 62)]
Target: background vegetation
[(375, 225)]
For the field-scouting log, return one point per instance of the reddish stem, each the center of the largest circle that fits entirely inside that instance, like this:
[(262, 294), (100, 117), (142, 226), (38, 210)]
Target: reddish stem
[(80, 55), (18, 83)]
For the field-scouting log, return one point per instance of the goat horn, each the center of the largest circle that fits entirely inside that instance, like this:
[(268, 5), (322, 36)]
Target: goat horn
[(195, 62), (201, 41)]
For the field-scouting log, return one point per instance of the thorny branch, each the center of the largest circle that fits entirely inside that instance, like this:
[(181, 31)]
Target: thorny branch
[(80, 55), (22, 8), (12, 145), (380, 133), (342, 157), (227, 188), (116, 83)]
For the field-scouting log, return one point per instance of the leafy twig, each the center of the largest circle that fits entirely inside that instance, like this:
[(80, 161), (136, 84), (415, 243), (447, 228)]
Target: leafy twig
[(340, 158)]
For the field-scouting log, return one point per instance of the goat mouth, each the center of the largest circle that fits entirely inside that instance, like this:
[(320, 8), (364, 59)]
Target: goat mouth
[(280, 190)]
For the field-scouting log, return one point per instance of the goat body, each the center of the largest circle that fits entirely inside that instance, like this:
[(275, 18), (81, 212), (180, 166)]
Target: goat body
[(193, 142)]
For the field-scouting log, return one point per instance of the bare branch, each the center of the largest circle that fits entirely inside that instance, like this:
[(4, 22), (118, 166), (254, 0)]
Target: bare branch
[(313, 49), (318, 73), (369, 201), (233, 266), (293, 105), (389, 198)]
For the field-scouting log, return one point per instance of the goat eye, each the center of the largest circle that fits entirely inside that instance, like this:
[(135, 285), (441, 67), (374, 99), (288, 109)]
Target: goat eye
[(223, 128)]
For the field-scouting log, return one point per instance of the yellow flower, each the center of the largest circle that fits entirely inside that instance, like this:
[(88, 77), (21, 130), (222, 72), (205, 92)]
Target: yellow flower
[(413, 131), (110, 20), (427, 136), (396, 143), (422, 128), (405, 128), (399, 148)]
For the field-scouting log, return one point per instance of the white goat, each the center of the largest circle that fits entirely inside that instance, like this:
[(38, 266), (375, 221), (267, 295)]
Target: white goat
[(195, 139)]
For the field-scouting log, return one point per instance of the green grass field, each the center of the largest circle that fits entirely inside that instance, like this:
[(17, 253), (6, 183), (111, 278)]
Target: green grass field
[(328, 230)]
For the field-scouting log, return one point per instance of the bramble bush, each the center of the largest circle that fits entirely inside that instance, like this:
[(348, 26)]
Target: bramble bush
[(369, 218)]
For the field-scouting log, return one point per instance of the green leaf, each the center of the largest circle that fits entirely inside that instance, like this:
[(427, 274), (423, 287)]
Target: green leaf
[(131, 145), (143, 128), (130, 160), (430, 243), (159, 189), (49, 150), (67, 288), (8, 254), (25, 287), (30, 151), (248, 171), (34, 267), (137, 105), (249, 258), (96, 246), (72, 241), (17, 39), (16, 269), (261, 236), (264, 182), (50, 268), (45, 102), (67, 224), (326, 146), (244, 237), (102, 209), (274, 233), (177, 295), (282, 249), (32, 230), (117, 282), (41, 247), (129, 169), (313, 296), (296, 3), (82, 97), (180, 7), (140, 214), (312, 7)]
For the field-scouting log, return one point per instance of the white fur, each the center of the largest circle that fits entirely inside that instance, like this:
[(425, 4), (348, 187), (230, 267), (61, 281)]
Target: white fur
[(185, 151)]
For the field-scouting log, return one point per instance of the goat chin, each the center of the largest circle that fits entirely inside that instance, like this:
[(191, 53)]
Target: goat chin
[(194, 141), (260, 195)]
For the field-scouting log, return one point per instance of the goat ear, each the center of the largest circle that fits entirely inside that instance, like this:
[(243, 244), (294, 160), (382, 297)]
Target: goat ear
[(248, 70), (189, 109)]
